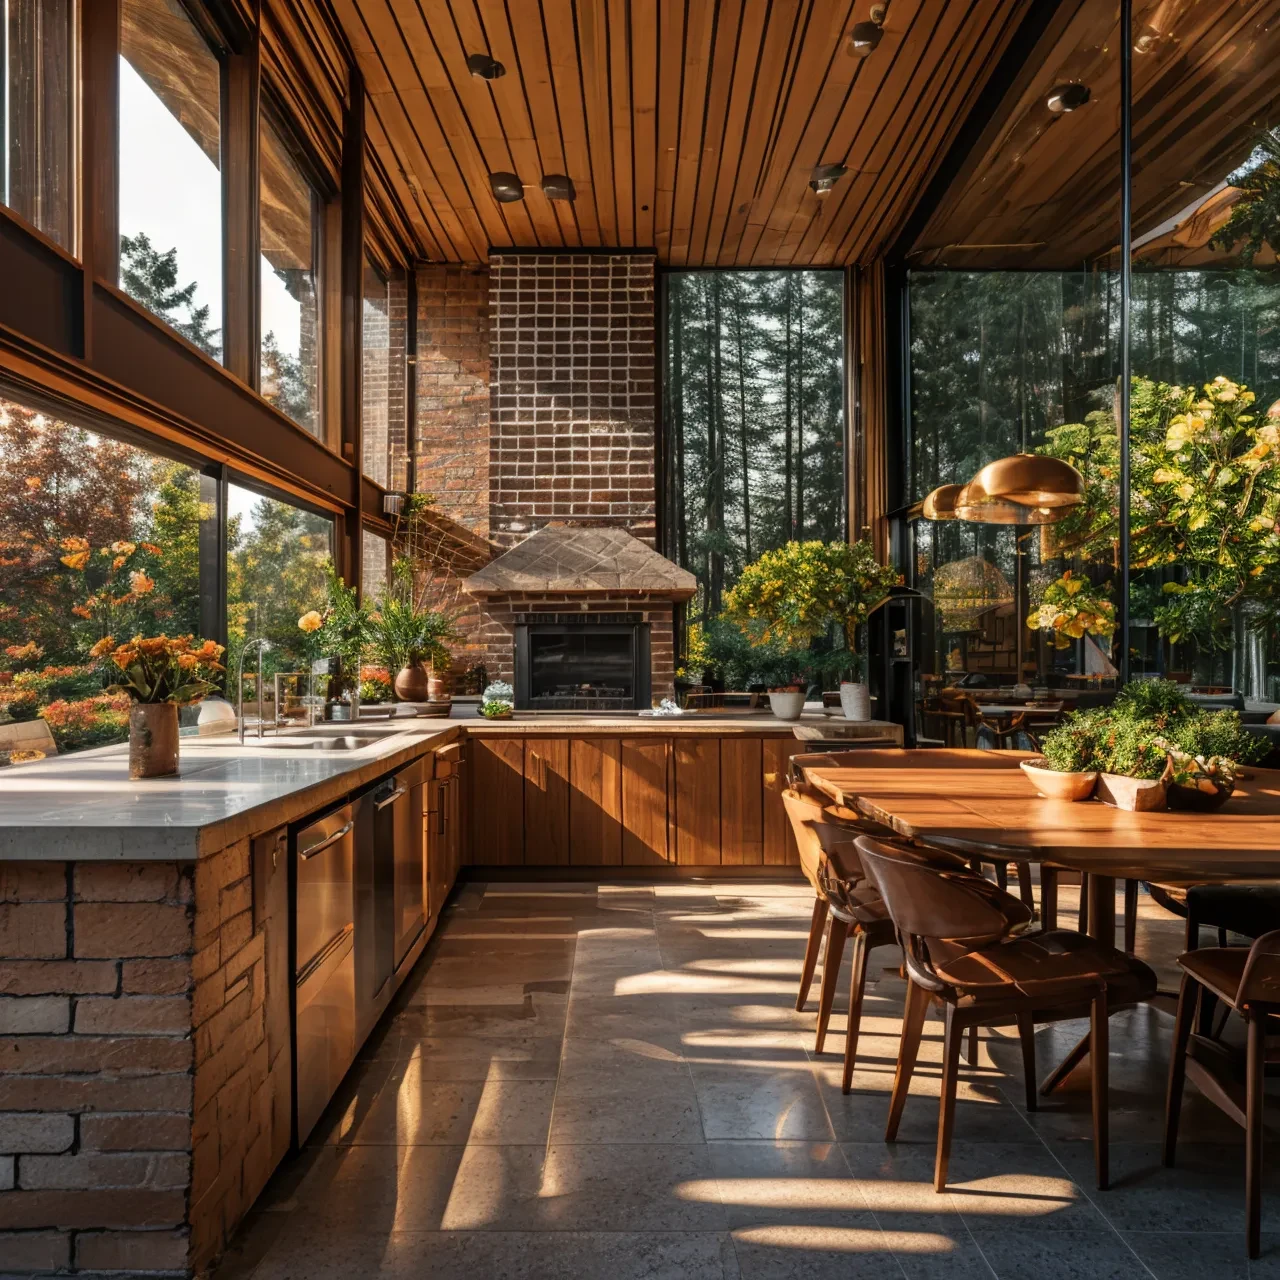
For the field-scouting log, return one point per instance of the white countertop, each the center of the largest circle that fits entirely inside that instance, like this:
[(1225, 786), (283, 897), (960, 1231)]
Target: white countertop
[(83, 806)]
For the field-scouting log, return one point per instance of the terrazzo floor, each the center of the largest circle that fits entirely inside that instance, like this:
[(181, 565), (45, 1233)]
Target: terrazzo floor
[(611, 1080)]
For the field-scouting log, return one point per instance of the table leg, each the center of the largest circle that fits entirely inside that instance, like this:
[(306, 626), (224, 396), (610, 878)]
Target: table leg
[(1102, 908)]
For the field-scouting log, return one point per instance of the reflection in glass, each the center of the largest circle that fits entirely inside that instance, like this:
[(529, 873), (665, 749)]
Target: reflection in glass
[(376, 558), (1205, 490), (376, 380), (289, 214), (276, 554), (37, 128), (98, 538), (170, 185)]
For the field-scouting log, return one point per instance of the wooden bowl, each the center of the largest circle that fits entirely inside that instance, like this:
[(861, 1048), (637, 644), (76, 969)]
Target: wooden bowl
[(1059, 786), (1206, 795)]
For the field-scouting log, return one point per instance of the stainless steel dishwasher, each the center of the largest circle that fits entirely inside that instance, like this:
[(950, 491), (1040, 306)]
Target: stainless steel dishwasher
[(398, 827), (323, 963)]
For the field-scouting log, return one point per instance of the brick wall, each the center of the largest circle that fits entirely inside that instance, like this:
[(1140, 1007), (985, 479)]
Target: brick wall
[(140, 1103), (453, 392), (572, 392), (494, 640)]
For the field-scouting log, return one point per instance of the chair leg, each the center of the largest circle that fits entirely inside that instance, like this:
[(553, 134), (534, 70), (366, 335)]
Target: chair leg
[(1083, 924), (916, 1006), (814, 945), (857, 983), (1130, 916), (836, 936), (1025, 891), (1002, 875), (1027, 1034), (971, 1046), (1048, 897), (1100, 1064), (947, 1099), (1065, 1067), (1178, 1065), (1257, 1057), (1204, 1015)]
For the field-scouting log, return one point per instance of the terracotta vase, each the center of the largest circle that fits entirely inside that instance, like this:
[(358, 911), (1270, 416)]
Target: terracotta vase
[(437, 686), (411, 683), (153, 740)]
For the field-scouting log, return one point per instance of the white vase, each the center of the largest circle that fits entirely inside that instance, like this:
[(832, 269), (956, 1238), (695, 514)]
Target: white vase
[(786, 706), (855, 700)]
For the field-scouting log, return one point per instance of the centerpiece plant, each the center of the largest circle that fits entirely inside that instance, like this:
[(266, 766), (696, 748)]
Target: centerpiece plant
[(802, 591), (407, 635), (158, 674)]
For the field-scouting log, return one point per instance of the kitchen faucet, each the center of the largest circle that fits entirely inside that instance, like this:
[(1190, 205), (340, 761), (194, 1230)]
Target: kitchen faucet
[(262, 645)]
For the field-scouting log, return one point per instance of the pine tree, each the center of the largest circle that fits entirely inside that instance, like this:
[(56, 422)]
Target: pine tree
[(151, 278)]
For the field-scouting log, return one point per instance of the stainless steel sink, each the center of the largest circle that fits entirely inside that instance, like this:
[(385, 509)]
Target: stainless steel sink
[(339, 742)]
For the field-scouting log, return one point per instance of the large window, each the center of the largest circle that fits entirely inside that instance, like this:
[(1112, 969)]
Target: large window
[(755, 417), (37, 117), (96, 538), (276, 555), (170, 185), (376, 380), (289, 214)]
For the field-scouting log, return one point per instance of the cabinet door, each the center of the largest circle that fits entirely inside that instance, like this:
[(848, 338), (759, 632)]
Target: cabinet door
[(595, 801), (741, 802), (496, 801), (646, 798), (697, 801), (546, 802), (779, 838)]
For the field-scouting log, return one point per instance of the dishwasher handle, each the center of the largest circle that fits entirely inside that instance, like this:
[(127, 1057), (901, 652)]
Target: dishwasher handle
[(391, 797), (304, 854)]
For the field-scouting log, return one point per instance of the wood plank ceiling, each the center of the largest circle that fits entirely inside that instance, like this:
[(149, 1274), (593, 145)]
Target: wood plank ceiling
[(1044, 190), (688, 126)]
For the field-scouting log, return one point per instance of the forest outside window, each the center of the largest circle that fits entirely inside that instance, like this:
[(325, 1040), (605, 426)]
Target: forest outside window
[(289, 214), (755, 419), (37, 116), (170, 184), (97, 538)]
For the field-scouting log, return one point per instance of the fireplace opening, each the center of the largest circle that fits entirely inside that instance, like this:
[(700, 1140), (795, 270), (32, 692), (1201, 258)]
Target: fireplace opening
[(585, 665)]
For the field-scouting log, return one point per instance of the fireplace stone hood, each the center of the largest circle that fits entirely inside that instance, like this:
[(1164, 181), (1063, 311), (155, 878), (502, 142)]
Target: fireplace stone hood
[(565, 559)]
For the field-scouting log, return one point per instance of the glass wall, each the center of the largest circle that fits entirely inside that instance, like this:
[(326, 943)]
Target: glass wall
[(276, 554), (1014, 313), (97, 538), (289, 216), (170, 185), (755, 415), (37, 114), (376, 379)]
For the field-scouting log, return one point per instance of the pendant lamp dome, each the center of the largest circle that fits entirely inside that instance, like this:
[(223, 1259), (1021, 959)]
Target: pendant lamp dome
[(1028, 480), (941, 503)]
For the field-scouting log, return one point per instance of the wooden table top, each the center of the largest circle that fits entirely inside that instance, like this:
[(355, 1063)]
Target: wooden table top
[(983, 797)]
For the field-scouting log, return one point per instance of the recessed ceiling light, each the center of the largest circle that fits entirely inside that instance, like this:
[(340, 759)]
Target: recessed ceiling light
[(506, 187), (864, 38), (1064, 98), (825, 177), (557, 186), (487, 68)]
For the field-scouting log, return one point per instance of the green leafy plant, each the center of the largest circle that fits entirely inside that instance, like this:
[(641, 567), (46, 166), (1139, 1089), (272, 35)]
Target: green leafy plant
[(800, 591), (403, 632), (1255, 216), (347, 626), (495, 709), (1074, 746), (1072, 607)]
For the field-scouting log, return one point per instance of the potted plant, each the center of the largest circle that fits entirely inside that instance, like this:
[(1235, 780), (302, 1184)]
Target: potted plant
[(797, 592), (407, 636), (158, 674), (786, 701), (1073, 607), (345, 633), (498, 701), (1067, 768)]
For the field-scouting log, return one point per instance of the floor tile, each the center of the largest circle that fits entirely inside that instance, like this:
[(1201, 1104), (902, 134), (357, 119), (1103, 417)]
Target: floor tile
[(787, 1183), (1059, 1255), (770, 1094)]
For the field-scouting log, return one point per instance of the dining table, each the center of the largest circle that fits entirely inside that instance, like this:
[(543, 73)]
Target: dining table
[(981, 804)]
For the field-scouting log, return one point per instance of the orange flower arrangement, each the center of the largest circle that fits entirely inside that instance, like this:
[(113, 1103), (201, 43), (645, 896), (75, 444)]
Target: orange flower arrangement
[(160, 668)]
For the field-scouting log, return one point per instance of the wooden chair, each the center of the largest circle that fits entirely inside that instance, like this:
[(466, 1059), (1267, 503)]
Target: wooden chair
[(964, 943), (830, 860), (1247, 982)]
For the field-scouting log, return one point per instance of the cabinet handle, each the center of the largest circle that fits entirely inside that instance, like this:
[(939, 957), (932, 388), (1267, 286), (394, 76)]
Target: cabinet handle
[(325, 843), (391, 798), (536, 778)]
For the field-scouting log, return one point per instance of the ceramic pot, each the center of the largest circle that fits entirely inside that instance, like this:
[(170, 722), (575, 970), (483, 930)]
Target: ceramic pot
[(1203, 796), (1053, 785), (787, 706), (437, 686), (855, 700), (153, 740), (411, 683), (1134, 795)]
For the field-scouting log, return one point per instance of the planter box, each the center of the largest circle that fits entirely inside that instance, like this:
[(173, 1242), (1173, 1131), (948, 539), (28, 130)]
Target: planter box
[(1135, 795)]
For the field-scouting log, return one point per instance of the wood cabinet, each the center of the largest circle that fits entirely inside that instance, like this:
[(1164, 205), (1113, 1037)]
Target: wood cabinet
[(496, 813), (646, 784), (779, 837), (697, 801), (741, 802), (546, 801), (595, 802)]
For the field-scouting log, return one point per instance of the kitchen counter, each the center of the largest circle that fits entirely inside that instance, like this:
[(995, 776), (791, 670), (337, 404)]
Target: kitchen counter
[(84, 807)]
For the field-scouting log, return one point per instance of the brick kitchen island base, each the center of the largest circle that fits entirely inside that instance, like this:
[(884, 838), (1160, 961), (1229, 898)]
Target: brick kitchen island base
[(145, 1077)]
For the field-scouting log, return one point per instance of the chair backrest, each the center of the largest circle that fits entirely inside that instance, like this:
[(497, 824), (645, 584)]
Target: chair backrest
[(1260, 982), (935, 900), (819, 827)]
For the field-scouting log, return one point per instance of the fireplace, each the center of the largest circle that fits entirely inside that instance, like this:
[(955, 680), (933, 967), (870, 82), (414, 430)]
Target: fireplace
[(568, 663)]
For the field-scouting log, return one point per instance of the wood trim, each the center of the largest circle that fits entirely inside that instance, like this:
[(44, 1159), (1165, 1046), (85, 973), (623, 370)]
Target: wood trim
[(98, 188), (872, 367)]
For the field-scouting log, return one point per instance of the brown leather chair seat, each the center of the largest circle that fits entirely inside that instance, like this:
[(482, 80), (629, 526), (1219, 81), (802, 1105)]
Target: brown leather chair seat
[(1222, 970)]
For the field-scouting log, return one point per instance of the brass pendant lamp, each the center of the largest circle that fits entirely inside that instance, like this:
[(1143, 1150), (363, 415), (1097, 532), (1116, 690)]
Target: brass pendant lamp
[(941, 503), (978, 507), (1029, 480)]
